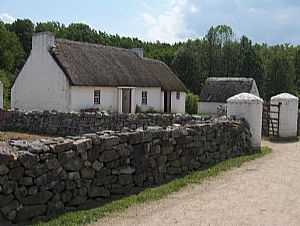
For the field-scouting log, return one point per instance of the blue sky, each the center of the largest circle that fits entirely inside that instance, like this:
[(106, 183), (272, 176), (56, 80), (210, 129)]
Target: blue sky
[(268, 21)]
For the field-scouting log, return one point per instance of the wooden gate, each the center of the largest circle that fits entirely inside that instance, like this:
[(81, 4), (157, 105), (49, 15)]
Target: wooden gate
[(270, 119)]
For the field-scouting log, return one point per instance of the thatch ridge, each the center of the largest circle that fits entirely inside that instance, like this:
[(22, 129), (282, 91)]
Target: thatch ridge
[(219, 89), (87, 64)]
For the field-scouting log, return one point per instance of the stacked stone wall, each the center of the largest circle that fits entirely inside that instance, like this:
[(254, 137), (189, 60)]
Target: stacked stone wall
[(44, 177), (63, 123)]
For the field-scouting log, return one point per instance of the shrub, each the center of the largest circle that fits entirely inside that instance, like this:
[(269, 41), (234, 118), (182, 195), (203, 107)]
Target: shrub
[(191, 103)]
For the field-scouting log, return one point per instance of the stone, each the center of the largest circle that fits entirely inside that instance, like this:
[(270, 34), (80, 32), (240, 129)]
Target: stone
[(93, 154), (9, 207), (75, 201), (59, 187), (74, 175), (174, 155), (21, 193), (37, 147), (7, 153), (20, 144), (98, 192), (135, 138), (64, 157), (66, 196), (5, 199), (3, 169), (9, 187), (167, 150), (52, 163), (28, 212), (97, 165), (125, 179), (39, 198), (32, 190), (12, 215), (16, 173), (107, 156), (108, 141), (82, 145), (37, 170), (173, 170), (28, 159), (73, 164), (127, 170), (61, 147), (87, 172)]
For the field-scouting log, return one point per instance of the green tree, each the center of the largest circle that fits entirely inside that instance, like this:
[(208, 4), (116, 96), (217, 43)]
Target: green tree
[(191, 103), (11, 51), (24, 29)]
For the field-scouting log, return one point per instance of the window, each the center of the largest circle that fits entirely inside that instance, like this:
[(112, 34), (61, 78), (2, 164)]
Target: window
[(144, 97), (178, 95), (97, 94)]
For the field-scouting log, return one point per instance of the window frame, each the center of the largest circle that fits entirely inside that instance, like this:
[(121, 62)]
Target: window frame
[(178, 95), (144, 98), (97, 96)]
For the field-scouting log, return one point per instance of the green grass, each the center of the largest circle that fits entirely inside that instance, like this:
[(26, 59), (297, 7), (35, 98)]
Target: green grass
[(83, 217)]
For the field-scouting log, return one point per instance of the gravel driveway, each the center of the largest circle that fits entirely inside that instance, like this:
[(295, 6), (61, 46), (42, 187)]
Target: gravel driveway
[(262, 192)]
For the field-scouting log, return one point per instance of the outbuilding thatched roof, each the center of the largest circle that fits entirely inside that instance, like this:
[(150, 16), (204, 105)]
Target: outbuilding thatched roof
[(88, 64), (219, 89)]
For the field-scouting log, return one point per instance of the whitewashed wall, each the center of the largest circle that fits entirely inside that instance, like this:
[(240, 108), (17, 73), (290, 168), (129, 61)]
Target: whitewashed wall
[(254, 89), (178, 106), (288, 114), (249, 107), (41, 83), (209, 107), (153, 98), (82, 97)]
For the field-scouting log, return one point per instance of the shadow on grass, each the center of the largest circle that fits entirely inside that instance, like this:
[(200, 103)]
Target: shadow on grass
[(96, 211), (275, 139)]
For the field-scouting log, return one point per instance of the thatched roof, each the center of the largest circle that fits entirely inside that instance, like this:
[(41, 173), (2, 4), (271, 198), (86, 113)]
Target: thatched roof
[(220, 89), (88, 64)]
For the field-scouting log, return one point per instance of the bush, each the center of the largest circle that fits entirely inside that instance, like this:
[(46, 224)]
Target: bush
[(191, 103), (7, 80)]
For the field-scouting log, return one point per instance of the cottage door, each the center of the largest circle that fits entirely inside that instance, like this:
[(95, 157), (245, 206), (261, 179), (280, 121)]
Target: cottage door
[(126, 100), (167, 102)]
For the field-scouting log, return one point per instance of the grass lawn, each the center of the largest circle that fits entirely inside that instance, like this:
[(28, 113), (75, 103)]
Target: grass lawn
[(82, 217)]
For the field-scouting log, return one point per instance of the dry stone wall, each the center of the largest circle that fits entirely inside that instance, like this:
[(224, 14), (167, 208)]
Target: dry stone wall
[(44, 177), (63, 123)]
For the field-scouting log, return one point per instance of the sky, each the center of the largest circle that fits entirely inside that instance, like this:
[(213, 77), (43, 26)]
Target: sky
[(263, 21)]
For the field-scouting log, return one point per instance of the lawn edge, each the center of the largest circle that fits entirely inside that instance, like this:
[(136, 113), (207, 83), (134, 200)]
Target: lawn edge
[(83, 217)]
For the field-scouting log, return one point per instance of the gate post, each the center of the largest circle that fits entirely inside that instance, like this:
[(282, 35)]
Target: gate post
[(249, 107), (288, 114)]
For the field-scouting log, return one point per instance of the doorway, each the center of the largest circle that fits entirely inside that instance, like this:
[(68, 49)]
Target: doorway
[(167, 102), (126, 100)]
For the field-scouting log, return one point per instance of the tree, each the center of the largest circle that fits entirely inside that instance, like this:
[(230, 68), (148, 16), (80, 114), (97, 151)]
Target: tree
[(24, 29), (11, 51)]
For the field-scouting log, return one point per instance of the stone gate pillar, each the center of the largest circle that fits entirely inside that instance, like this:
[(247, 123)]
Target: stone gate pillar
[(288, 114), (249, 107)]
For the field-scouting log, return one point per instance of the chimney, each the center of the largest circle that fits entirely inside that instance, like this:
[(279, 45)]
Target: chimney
[(42, 41), (138, 51)]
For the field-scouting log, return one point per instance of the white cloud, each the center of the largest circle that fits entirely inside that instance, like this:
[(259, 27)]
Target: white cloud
[(6, 18), (169, 26)]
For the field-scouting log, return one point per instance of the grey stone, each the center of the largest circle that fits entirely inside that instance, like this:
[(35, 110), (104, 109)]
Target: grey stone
[(9, 207), (32, 190), (12, 215), (37, 170), (97, 165), (98, 192), (20, 144), (28, 159), (125, 179), (66, 196), (28, 212), (3, 169), (64, 157), (52, 163), (21, 193), (74, 175), (107, 156), (82, 145), (75, 201), (87, 172), (39, 198), (61, 147), (73, 164), (5, 199), (87, 163), (9, 187), (16, 173)]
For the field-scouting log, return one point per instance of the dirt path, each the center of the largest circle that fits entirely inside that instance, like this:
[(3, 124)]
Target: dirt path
[(261, 192)]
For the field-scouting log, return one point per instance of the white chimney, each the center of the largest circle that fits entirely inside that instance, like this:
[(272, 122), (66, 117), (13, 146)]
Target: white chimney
[(138, 51), (42, 41)]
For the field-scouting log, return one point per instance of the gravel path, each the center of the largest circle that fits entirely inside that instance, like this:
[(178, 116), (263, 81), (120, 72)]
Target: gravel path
[(261, 192)]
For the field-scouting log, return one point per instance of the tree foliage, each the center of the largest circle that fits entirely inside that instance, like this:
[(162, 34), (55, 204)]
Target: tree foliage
[(219, 53)]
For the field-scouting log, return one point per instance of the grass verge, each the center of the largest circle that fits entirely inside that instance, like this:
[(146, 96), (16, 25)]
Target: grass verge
[(83, 217)]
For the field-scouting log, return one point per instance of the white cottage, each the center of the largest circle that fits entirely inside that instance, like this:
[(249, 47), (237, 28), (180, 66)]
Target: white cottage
[(70, 76), (217, 90)]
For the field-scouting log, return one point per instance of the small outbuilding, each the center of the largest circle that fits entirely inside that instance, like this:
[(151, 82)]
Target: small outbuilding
[(288, 114), (217, 90)]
